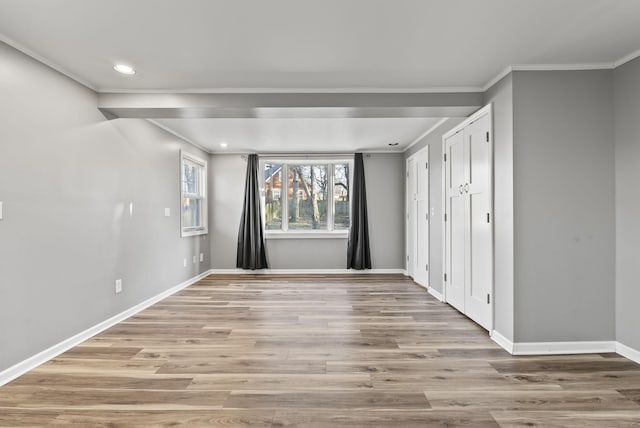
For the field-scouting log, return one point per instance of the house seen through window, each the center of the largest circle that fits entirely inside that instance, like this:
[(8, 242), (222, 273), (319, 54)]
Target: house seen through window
[(306, 196)]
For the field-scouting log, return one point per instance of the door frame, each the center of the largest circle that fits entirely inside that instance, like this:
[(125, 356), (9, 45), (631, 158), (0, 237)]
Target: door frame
[(407, 206), (486, 110)]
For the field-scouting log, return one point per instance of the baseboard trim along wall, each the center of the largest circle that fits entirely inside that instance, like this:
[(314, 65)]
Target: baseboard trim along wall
[(31, 363), (563, 348), (628, 352), (502, 341), (305, 271)]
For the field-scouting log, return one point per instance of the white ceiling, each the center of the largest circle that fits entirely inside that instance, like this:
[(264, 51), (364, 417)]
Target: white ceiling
[(332, 135), (319, 45)]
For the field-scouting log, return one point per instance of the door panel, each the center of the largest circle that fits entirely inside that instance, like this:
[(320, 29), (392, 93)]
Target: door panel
[(468, 229), (477, 303), (422, 218), (455, 224)]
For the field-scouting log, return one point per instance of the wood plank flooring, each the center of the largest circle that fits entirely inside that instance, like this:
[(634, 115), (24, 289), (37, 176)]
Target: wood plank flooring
[(315, 351)]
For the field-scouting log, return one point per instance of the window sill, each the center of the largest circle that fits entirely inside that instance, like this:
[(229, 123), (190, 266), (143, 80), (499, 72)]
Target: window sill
[(343, 234)]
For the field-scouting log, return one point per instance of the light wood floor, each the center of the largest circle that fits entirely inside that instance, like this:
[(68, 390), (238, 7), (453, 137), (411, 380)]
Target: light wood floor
[(279, 351)]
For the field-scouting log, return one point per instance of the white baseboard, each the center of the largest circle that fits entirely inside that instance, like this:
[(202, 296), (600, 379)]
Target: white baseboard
[(435, 293), (561, 348), (305, 271), (504, 343), (31, 363), (556, 348), (628, 352)]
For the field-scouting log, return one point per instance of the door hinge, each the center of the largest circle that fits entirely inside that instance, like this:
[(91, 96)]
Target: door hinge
[(488, 218), (487, 136), (426, 216), (488, 298), (407, 258), (445, 157), (445, 216), (426, 165), (445, 277), (426, 267)]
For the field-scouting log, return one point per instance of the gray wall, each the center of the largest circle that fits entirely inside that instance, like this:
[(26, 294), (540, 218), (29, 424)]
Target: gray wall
[(385, 198), (501, 96), (434, 143), (67, 177), (563, 206), (627, 159)]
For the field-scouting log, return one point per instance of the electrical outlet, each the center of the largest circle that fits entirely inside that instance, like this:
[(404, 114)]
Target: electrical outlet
[(0, 210), (167, 212), (118, 286), (201, 257), (185, 262), (194, 259)]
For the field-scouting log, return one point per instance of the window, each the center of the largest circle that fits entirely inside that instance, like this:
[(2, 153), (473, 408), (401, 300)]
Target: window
[(306, 195), (193, 201)]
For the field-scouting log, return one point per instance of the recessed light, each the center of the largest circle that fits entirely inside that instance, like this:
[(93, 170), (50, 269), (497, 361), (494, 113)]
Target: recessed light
[(124, 69), (393, 144), (224, 145)]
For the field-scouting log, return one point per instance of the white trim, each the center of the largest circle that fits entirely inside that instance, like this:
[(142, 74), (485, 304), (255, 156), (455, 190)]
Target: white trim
[(435, 293), (502, 341), (30, 53), (625, 59), (559, 348), (563, 67), (497, 78), (628, 352), (425, 133), (182, 137), (42, 357), (306, 271), (323, 234)]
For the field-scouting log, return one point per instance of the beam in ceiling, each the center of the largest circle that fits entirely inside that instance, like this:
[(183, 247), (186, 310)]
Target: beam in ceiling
[(286, 105)]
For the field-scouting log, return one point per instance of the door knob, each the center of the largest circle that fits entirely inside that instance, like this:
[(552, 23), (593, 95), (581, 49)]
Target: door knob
[(460, 189), (466, 188)]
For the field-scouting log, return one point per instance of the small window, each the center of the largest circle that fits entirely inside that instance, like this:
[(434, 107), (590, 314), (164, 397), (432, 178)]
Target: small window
[(193, 202)]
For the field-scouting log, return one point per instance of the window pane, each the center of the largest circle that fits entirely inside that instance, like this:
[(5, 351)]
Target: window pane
[(190, 177), (307, 197), (341, 196), (272, 195), (191, 212)]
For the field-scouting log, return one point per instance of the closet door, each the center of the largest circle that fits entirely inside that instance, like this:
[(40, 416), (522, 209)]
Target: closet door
[(468, 218), (480, 248), (412, 238), (421, 273), (456, 220)]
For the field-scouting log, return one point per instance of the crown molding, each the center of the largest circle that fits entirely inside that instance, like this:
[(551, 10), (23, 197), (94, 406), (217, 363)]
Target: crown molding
[(180, 136), (626, 59), (425, 133), (54, 66)]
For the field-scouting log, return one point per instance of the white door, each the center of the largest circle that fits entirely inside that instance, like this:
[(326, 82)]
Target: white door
[(421, 273), (478, 194), (468, 221), (455, 220), (412, 241)]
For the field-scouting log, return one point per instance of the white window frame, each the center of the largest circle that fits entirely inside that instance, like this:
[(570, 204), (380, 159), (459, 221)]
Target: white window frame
[(202, 195), (285, 233)]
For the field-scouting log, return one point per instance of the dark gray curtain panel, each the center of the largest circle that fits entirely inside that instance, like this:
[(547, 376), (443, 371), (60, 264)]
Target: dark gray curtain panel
[(358, 255), (251, 250)]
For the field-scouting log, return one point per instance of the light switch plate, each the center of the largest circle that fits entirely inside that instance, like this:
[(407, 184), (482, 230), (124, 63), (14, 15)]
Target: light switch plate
[(167, 212), (118, 286)]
